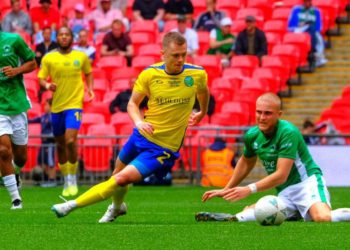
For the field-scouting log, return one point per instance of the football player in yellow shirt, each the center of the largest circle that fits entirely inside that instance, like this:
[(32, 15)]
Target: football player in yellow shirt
[(65, 67), (171, 87)]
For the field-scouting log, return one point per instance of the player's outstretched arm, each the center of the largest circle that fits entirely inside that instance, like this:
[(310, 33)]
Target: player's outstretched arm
[(26, 67), (243, 168), (90, 85), (203, 100)]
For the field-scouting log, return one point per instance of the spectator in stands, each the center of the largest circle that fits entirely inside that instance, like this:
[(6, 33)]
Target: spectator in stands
[(45, 16), (79, 22), (307, 18), (117, 42), (210, 19), (190, 35), (103, 16), (174, 8), (17, 20), (84, 46), (222, 41), (118, 4), (149, 10), (45, 46), (251, 40), (120, 102), (46, 156), (310, 128), (218, 163)]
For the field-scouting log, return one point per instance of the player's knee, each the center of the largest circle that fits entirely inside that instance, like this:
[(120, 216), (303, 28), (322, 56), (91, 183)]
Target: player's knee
[(321, 217), (122, 180), (21, 160), (5, 153), (70, 143)]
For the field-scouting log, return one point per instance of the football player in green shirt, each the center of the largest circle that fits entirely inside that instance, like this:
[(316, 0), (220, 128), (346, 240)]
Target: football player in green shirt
[(289, 165), (16, 58)]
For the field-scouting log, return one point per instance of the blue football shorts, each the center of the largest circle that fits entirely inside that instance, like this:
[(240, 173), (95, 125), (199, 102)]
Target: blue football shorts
[(148, 157), (67, 119)]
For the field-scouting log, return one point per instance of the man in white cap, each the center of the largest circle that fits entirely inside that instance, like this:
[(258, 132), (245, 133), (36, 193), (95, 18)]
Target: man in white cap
[(222, 41)]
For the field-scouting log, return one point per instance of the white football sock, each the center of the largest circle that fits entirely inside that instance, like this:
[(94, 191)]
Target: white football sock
[(11, 186), (72, 179), (340, 214), (246, 215)]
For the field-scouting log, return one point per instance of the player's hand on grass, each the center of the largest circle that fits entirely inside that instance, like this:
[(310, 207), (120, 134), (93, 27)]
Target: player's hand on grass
[(236, 193), (211, 194), (195, 118), (145, 127), (10, 72)]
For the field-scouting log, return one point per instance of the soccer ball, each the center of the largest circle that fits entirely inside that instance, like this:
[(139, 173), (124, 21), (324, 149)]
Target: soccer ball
[(270, 210)]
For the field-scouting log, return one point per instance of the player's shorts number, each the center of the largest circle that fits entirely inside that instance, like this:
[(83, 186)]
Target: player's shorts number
[(163, 157), (77, 116)]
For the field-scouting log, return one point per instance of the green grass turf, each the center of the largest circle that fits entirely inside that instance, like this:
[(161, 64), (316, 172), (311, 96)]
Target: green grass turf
[(158, 218)]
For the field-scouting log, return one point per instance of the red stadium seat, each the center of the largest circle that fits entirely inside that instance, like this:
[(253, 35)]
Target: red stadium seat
[(291, 3), (34, 143), (98, 73), (140, 38), (120, 85), (257, 13), (99, 38), (100, 88), (212, 65), (231, 7), (237, 110), (89, 119), (45, 96), (302, 41), (272, 40), (236, 73), (245, 62), (110, 63), (290, 52), (237, 26), (331, 8), (264, 5), (346, 92), (203, 41), (341, 103), (169, 25), (223, 89), (281, 14), (272, 75), (110, 96), (125, 73), (97, 152), (150, 50), (275, 26), (98, 107), (145, 26), (278, 64), (256, 84), (66, 4), (199, 6), (139, 63)]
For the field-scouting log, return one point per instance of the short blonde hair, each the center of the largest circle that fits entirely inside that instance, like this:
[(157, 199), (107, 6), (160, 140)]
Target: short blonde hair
[(173, 37)]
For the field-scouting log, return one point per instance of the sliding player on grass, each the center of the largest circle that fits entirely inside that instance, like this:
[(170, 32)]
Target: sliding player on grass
[(290, 167)]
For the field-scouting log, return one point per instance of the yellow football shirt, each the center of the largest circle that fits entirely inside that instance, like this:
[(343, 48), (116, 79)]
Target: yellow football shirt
[(66, 71), (171, 99)]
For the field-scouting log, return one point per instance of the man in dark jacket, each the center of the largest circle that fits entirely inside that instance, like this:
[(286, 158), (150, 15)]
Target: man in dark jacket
[(251, 40)]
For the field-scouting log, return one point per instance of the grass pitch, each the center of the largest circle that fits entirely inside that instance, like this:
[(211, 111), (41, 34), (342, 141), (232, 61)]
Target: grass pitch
[(158, 218)]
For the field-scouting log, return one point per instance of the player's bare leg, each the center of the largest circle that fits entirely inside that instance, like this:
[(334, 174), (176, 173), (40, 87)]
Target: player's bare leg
[(8, 172)]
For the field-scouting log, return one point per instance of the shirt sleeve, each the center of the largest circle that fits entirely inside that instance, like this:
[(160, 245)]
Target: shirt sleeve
[(23, 50), (248, 149), (44, 68), (203, 81), (142, 83), (212, 34), (86, 64)]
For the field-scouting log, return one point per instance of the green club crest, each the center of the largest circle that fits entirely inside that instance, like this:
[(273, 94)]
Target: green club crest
[(188, 81), (76, 63)]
